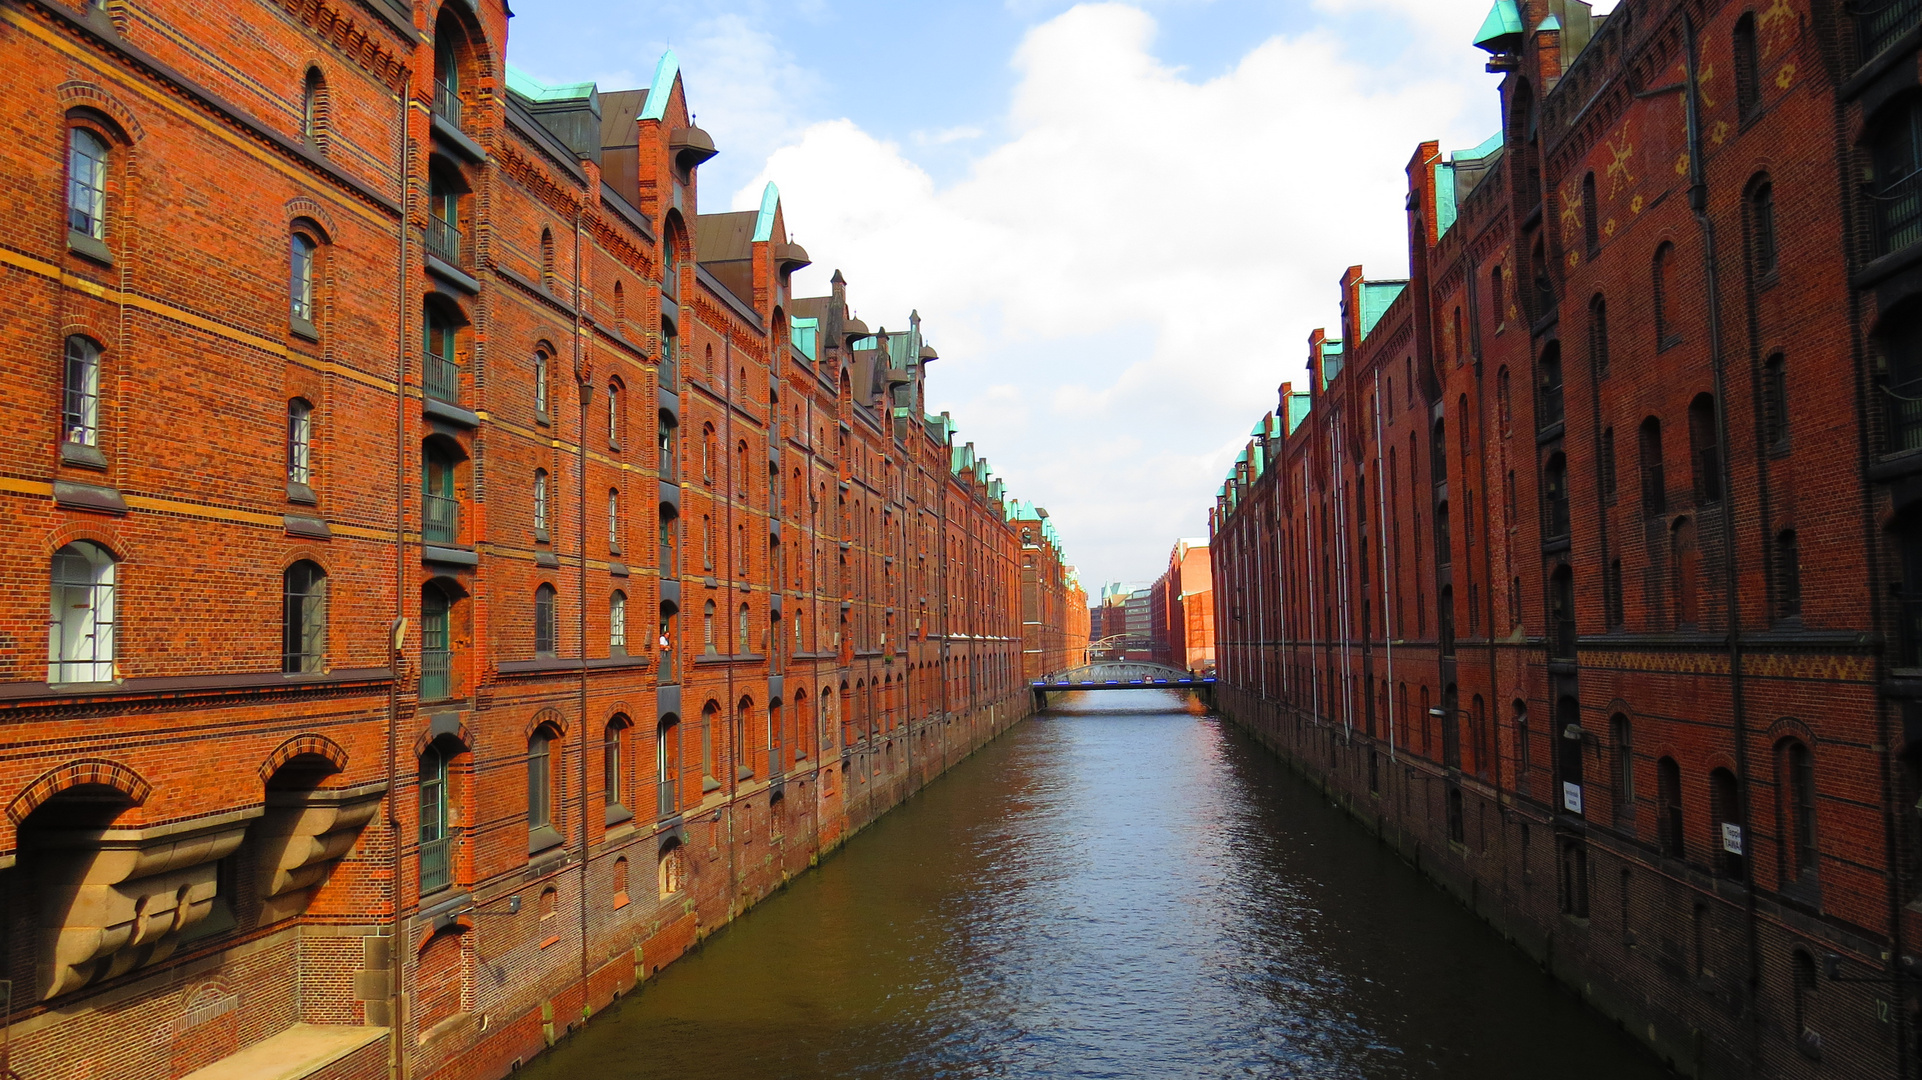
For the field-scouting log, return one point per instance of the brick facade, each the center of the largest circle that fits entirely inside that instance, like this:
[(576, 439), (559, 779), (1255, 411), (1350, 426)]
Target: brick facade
[(380, 690), (1581, 569)]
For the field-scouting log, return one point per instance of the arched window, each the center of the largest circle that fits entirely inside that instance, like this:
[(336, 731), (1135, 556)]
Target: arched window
[(707, 453), (1524, 752), (1796, 780), (547, 259), (1725, 815), (540, 384), (744, 631), (1598, 335), (1654, 485), (1568, 741), (707, 627), (743, 759), (1763, 258), (540, 504), (440, 375), (303, 619), (440, 510), (613, 779), (742, 473), (1561, 612), (617, 623), (436, 656), (1591, 232), (667, 765), (707, 542), (620, 882), (447, 81), (1443, 543), (1748, 90), (1895, 151), (300, 443), (80, 638), (436, 838), (1788, 576), (614, 520), (615, 415), (541, 769), (1704, 454), (313, 110), (80, 407), (300, 285), (1663, 292), (86, 184), (672, 874), (1775, 402), (1497, 301), (1668, 807), (1555, 495), (1804, 982), (544, 621), (1503, 405), (1622, 774), (620, 309), (1549, 372)]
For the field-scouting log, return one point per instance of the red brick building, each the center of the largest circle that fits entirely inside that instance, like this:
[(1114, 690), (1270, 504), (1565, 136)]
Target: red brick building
[(1183, 608), (1583, 566), (450, 574)]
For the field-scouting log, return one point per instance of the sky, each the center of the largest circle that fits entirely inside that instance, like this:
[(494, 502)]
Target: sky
[(1119, 222)]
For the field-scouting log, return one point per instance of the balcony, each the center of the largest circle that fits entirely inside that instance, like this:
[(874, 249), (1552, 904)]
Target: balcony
[(443, 240), (1561, 645), (440, 378), (440, 521), (1557, 524), (436, 674), (1877, 27), (665, 790), (436, 864), (446, 103)]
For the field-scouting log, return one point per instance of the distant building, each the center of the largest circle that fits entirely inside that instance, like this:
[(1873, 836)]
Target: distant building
[(1182, 605)]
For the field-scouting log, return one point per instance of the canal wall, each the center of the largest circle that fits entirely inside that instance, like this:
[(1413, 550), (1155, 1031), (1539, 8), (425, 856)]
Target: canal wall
[(1657, 948), (738, 847)]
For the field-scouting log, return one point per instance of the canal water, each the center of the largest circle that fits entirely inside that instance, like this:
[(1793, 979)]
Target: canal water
[(1119, 887)]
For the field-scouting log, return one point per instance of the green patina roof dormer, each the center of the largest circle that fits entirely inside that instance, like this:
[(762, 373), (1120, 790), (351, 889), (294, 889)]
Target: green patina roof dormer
[(1502, 29), (1376, 296)]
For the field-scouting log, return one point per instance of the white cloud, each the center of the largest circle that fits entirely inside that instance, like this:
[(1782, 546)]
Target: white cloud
[(1118, 286), (962, 133)]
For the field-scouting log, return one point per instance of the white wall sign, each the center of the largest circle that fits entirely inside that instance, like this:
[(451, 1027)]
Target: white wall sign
[(1731, 838), (1571, 797)]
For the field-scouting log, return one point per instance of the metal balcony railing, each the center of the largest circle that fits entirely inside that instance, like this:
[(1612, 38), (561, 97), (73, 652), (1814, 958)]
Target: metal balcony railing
[(441, 519), (668, 803), (436, 864), (1562, 645), (436, 666), (1557, 517), (446, 103), (1877, 25), (440, 377), (443, 240), (1905, 414)]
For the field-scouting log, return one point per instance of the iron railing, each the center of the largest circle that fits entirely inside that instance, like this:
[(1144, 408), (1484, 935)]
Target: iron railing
[(1905, 414), (436, 670), (1877, 27), (1557, 516), (446, 103), (436, 864), (440, 377), (441, 519), (1562, 644), (665, 789), (443, 240)]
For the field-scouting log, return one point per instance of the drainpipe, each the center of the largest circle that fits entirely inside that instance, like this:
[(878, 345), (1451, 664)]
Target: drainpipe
[(1387, 583), (581, 606), (396, 968), (1698, 203), (1314, 644)]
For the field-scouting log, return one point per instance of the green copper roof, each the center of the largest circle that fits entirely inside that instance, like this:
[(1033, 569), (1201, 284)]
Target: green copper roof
[(1330, 360), (1375, 298), (1297, 411), (764, 224), (1550, 23), (1503, 21), (655, 108), (1488, 146), (519, 82), (805, 333), (1445, 213)]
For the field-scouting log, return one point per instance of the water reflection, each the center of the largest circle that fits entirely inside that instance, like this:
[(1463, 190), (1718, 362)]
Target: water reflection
[(1117, 888)]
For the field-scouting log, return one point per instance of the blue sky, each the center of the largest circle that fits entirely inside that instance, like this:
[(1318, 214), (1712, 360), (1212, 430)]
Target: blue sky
[(1119, 221)]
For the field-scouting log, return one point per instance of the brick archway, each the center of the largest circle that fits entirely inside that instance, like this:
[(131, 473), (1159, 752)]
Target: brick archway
[(303, 745), (86, 772)]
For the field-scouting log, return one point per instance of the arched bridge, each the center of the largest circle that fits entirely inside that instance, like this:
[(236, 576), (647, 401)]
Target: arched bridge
[(1123, 675)]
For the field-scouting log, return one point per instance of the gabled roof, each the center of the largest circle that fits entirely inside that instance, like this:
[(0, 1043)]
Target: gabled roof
[(665, 72)]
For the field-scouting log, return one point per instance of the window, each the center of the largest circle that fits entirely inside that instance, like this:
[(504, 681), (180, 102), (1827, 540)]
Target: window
[(303, 619), (744, 631), (1555, 496), (440, 510), (672, 873), (1654, 486), (1608, 465), (436, 658), (1438, 456), (547, 259), (80, 410), (613, 781), (300, 286), (540, 779), (707, 542), (667, 765), (1748, 91), (1704, 453), (617, 622), (313, 110), (1775, 402), (1797, 769), (440, 374), (436, 839), (540, 383), (742, 474), (1574, 879), (1802, 975), (1725, 813), (1496, 298), (614, 521), (1598, 335), (540, 502), (1503, 406), (300, 434), (544, 621), (443, 212), (80, 637), (1561, 612), (1788, 576), (1668, 806), (1523, 751), (446, 75), (707, 453), (1622, 775), (1446, 612), (707, 627), (1762, 253), (620, 882), (614, 416), (86, 184), (1895, 154), (1665, 331), (1591, 234), (1902, 347)]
